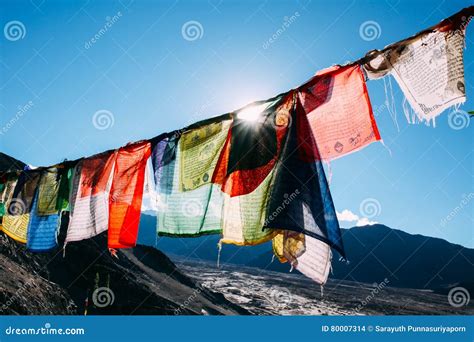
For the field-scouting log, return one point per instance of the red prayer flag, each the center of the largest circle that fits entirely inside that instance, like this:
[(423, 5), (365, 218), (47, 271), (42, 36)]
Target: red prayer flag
[(244, 180), (126, 194), (95, 172), (339, 113)]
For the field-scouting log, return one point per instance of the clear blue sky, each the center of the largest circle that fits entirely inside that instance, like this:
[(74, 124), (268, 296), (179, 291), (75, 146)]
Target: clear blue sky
[(151, 79)]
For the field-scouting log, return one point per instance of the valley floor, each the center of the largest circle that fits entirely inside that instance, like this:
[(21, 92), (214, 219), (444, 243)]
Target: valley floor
[(272, 293)]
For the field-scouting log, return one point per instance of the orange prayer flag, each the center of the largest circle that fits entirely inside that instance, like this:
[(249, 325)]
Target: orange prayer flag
[(126, 194)]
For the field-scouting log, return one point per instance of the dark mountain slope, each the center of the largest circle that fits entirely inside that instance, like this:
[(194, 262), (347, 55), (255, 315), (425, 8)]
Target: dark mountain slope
[(143, 281), (377, 252)]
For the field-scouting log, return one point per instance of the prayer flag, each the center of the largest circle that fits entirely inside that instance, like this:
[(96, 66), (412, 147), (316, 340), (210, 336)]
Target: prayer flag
[(24, 192), (429, 67), (250, 172), (65, 174), (90, 197), (3, 182), (126, 194), (300, 199), (17, 197), (200, 150), (48, 192), (339, 113), (252, 146), (288, 246), (308, 255), (243, 216), (189, 204), (42, 229)]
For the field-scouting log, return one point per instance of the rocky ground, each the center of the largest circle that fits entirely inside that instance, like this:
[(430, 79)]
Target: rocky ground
[(89, 280), (144, 281), (265, 292)]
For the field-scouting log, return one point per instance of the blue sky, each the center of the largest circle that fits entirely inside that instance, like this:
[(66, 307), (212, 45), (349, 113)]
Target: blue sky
[(147, 78)]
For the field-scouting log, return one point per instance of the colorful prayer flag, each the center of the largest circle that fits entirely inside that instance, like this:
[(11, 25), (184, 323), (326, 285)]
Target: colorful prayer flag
[(65, 174), (16, 226), (15, 219), (189, 204), (48, 192), (339, 113), (243, 217), (308, 255), (300, 199), (429, 68), (24, 193), (158, 151), (288, 246), (250, 169), (200, 150), (3, 182), (126, 194), (252, 146), (42, 230), (90, 197)]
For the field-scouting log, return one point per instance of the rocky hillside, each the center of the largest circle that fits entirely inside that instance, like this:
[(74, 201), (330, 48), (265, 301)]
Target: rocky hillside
[(89, 280), (8, 163)]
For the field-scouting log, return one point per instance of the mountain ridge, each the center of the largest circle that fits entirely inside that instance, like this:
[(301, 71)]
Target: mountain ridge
[(374, 253)]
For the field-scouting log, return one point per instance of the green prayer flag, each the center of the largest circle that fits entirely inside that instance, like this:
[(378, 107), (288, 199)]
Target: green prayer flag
[(200, 149), (188, 203), (48, 193), (2, 190), (65, 185)]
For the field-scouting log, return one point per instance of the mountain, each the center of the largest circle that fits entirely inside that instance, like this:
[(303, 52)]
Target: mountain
[(374, 253), (377, 252), (138, 281), (416, 261), (8, 163)]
